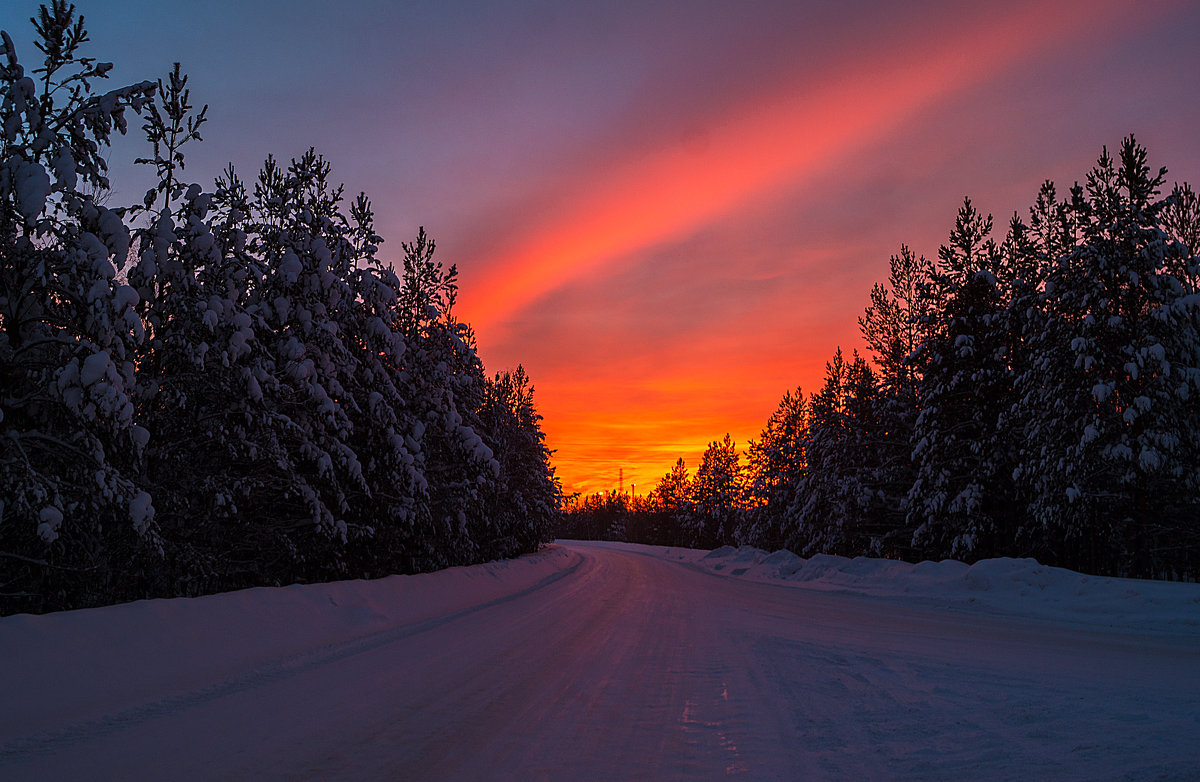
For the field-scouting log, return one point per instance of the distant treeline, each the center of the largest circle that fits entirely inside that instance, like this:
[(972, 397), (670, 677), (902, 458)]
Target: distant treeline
[(213, 390), (1037, 396)]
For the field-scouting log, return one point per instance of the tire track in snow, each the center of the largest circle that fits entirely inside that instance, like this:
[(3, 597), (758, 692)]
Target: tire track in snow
[(47, 742)]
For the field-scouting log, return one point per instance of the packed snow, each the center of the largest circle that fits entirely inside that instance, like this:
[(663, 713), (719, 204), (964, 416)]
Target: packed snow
[(616, 661)]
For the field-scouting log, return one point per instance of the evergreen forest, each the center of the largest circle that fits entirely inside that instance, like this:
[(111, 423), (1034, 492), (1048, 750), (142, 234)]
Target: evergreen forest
[(226, 386)]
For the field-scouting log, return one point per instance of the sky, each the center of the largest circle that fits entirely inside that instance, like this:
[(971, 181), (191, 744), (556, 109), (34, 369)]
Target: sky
[(670, 213)]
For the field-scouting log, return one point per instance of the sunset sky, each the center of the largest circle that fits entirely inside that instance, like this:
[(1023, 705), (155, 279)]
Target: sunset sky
[(670, 213)]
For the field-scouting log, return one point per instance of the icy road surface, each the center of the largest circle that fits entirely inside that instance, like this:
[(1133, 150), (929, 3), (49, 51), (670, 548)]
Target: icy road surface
[(588, 662)]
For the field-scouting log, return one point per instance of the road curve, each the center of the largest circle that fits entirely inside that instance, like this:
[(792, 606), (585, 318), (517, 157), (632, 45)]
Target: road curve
[(633, 667)]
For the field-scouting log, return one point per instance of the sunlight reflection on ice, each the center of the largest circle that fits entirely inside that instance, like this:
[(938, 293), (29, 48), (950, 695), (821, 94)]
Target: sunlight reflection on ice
[(700, 732)]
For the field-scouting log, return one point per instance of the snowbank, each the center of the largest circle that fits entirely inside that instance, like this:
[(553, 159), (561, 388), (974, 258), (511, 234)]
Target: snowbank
[(133, 649), (1020, 587)]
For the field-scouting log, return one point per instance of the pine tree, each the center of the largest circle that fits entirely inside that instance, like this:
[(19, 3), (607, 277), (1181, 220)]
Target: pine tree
[(834, 509), (775, 469), (73, 514), (960, 504), (448, 385), (672, 506), (897, 327), (526, 496), (1109, 404), (198, 342), (717, 495)]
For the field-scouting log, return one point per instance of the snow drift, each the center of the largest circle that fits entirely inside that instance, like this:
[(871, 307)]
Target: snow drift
[(1020, 587)]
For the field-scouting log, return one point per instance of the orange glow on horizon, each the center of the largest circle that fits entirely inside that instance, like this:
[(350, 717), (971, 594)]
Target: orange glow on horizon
[(675, 413)]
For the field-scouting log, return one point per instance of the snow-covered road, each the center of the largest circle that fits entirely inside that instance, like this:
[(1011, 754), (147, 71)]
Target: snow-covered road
[(598, 661)]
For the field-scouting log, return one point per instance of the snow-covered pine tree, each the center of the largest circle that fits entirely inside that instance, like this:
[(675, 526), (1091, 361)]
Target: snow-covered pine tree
[(525, 497), (671, 505), (73, 520), (833, 510), (775, 468), (1027, 255), (1111, 401), (716, 495), (320, 400), (896, 327), (191, 387), (961, 504), (449, 391), (388, 429)]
